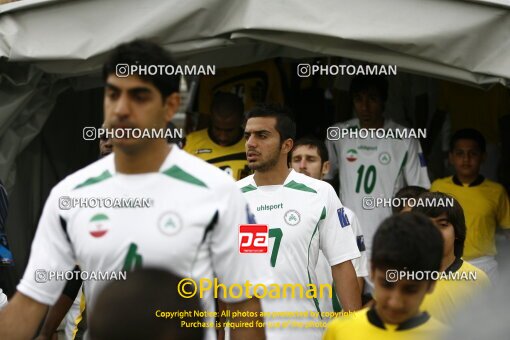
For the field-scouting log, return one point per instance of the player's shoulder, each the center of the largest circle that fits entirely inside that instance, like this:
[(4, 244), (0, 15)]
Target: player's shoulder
[(494, 186), (201, 172), (304, 183), (435, 326), (481, 277), (197, 135), (348, 124), (96, 172), (346, 320), (246, 183), (391, 124), (440, 182)]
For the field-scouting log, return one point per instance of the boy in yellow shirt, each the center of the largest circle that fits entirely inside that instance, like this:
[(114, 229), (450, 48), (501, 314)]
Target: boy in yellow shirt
[(404, 245), (462, 281), (485, 203)]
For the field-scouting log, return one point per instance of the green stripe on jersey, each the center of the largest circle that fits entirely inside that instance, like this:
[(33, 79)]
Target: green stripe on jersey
[(93, 180), (299, 186), (315, 301), (248, 188), (182, 175)]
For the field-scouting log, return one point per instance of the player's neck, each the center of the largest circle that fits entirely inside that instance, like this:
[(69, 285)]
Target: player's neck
[(379, 124), (143, 161), (447, 261), (467, 179), (274, 176)]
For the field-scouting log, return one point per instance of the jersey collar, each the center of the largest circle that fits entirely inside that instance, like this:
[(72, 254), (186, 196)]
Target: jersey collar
[(479, 180), (413, 322), (455, 265)]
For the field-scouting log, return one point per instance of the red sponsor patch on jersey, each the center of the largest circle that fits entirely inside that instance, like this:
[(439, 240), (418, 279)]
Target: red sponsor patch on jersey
[(253, 238)]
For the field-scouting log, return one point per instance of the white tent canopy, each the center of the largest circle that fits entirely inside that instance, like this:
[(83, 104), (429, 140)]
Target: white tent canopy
[(468, 41)]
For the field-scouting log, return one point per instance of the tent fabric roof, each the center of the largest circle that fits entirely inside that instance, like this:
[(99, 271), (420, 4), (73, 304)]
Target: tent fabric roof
[(460, 40)]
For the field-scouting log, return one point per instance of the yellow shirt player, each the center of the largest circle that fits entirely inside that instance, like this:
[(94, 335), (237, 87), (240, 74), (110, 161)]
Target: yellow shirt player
[(485, 203), (222, 144), (460, 281), (409, 242)]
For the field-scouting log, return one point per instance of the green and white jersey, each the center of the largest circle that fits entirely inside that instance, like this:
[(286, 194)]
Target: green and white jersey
[(374, 168), (360, 264), (304, 216), (191, 229)]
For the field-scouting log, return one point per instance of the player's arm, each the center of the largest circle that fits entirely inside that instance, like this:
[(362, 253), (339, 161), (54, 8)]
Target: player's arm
[(333, 160), (21, 318), (338, 243), (415, 169), (253, 307), (347, 286), (59, 310)]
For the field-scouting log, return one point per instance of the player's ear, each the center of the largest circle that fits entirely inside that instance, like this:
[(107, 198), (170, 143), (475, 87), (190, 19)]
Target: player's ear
[(171, 105), (287, 145), (325, 168)]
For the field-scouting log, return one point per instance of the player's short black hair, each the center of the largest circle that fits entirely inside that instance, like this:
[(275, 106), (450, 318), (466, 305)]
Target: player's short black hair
[(227, 104), (315, 143), (363, 83), (471, 134), (132, 305), (285, 124), (144, 53), (410, 191), (409, 242), (454, 214)]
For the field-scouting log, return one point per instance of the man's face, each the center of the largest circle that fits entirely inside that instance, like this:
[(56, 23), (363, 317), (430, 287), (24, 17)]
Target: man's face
[(466, 157), (134, 103), (306, 160), (446, 228), (263, 147), (398, 301), (225, 129), (368, 106)]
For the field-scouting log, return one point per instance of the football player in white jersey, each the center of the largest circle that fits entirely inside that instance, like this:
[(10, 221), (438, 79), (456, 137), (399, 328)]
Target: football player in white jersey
[(190, 228), (373, 168), (309, 156), (304, 215)]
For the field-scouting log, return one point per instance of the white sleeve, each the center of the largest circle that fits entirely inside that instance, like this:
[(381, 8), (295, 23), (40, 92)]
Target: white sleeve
[(337, 239), (51, 253), (361, 263), (230, 266), (333, 159), (415, 169)]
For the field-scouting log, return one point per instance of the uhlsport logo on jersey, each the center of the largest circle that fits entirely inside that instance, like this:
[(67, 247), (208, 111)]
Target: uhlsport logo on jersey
[(384, 158), (292, 217), (352, 155), (342, 217), (100, 224), (169, 223), (253, 238)]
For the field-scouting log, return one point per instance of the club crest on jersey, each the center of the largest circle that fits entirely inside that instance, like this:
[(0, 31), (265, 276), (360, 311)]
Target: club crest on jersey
[(342, 217), (292, 217), (352, 155), (169, 223), (384, 158), (100, 224)]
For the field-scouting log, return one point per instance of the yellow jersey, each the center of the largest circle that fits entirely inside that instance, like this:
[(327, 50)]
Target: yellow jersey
[(231, 159), (366, 324), (450, 295), (486, 207)]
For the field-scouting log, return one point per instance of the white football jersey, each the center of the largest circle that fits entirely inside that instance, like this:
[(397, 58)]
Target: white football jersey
[(371, 168), (360, 264), (191, 229), (304, 216)]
